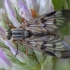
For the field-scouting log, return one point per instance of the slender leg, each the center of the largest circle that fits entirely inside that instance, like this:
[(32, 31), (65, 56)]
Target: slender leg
[(7, 21), (17, 49), (31, 54), (14, 41), (24, 24), (27, 50), (26, 46)]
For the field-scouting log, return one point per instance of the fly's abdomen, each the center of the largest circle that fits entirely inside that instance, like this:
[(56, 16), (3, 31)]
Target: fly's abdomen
[(19, 34)]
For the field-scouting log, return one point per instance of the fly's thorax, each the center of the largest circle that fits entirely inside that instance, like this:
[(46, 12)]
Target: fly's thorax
[(19, 33)]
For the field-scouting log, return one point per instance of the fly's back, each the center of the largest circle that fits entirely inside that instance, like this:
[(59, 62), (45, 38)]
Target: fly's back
[(17, 34)]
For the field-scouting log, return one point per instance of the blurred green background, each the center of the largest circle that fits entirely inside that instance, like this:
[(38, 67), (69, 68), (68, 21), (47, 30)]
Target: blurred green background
[(1, 3), (57, 63)]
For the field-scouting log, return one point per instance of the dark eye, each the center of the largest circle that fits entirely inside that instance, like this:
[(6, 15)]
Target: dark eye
[(8, 37), (8, 34)]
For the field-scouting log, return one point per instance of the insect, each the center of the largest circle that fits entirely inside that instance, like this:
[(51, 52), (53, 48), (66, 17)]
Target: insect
[(42, 33)]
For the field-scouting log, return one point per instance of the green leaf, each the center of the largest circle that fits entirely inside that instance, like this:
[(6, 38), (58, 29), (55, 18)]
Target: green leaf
[(37, 67), (59, 3), (54, 59), (68, 2), (65, 30), (2, 69)]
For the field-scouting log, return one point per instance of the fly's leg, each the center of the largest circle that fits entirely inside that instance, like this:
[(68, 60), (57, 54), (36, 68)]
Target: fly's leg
[(7, 21), (34, 57), (14, 41), (22, 42), (31, 54), (26, 50), (17, 49), (27, 45), (24, 23)]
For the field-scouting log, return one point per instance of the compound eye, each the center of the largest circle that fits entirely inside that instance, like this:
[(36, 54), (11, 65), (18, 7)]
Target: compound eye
[(8, 37), (8, 34)]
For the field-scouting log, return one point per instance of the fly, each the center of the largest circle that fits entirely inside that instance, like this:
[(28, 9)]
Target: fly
[(42, 33)]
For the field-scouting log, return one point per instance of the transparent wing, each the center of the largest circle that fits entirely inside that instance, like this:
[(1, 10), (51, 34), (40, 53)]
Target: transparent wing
[(59, 49), (52, 45), (48, 38), (62, 18), (55, 19)]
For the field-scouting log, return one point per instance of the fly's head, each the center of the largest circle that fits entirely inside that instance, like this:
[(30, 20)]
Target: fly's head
[(8, 34)]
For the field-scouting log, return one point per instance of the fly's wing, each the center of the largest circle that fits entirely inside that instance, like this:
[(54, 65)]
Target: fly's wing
[(52, 45), (62, 18), (42, 18), (55, 19), (59, 49)]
